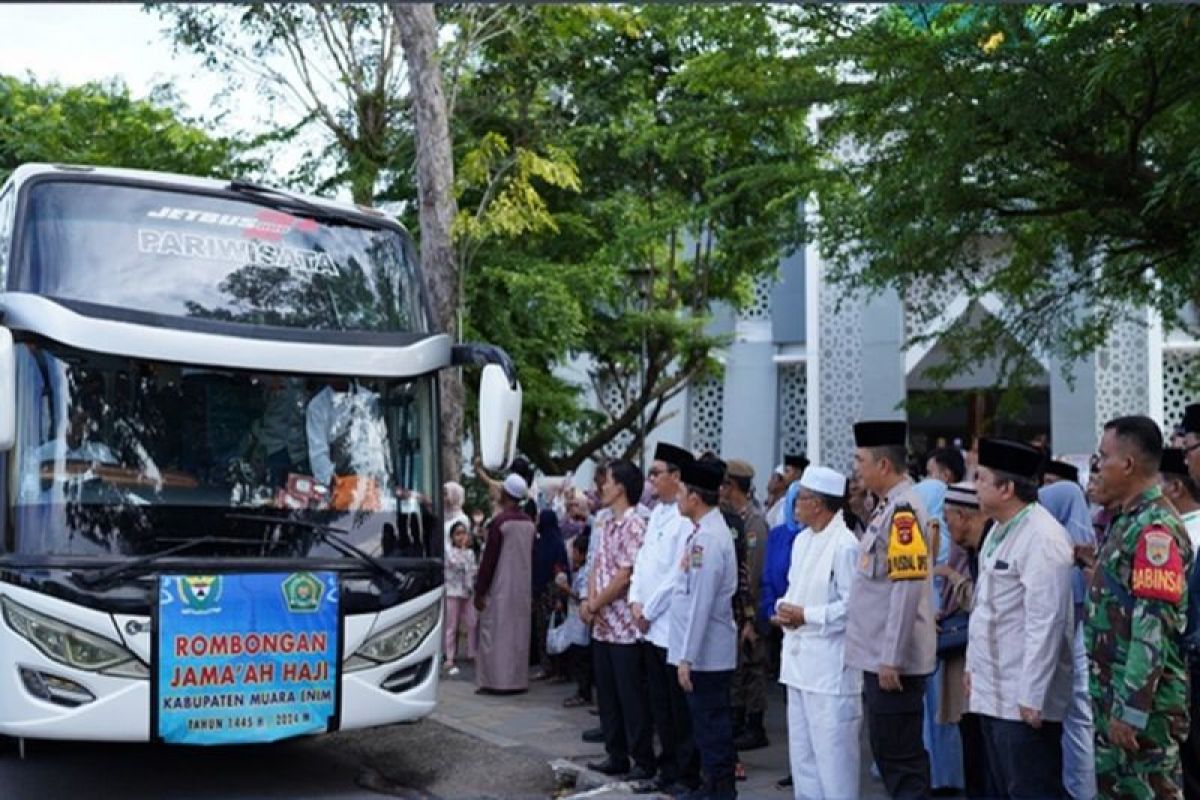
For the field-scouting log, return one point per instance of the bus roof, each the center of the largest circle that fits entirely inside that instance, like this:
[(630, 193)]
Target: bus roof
[(27, 171)]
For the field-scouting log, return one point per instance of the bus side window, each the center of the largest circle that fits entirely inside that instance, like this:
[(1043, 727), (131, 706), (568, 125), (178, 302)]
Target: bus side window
[(7, 204)]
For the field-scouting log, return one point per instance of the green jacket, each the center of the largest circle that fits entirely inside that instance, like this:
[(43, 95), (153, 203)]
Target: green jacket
[(1136, 614)]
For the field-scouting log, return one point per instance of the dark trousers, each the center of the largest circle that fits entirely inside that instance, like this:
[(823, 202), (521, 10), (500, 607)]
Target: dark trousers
[(1189, 753), (894, 722), (580, 661), (712, 726), (974, 760), (624, 709), (679, 761), (1023, 761)]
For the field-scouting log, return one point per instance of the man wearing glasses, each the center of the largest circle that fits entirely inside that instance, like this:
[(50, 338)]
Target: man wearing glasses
[(650, 601)]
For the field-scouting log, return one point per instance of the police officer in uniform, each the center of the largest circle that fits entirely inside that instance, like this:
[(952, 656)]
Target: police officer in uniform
[(890, 630), (703, 646), (1136, 613)]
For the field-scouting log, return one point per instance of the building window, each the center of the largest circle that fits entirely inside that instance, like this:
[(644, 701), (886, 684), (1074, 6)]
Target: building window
[(1180, 368), (706, 414), (793, 409)]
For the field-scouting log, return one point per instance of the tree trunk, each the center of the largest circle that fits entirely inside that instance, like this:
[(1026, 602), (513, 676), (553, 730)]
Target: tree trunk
[(416, 25)]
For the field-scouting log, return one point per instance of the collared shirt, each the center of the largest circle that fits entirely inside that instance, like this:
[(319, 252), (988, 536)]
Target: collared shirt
[(1019, 651), (655, 564), (819, 579), (620, 540), (890, 622), (1191, 521), (702, 629)]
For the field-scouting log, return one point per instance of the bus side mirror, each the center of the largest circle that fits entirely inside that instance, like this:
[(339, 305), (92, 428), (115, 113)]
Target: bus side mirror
[(8, 391), (499, 417)]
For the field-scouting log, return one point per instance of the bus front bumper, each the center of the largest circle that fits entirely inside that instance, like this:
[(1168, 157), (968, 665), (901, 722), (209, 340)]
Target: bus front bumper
[(119, 708)]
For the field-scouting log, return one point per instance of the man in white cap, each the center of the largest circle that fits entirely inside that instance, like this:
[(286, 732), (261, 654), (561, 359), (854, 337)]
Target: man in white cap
[(502, 595), (824, 693)]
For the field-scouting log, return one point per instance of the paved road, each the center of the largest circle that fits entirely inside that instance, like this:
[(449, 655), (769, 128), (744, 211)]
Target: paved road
[(426, 759)]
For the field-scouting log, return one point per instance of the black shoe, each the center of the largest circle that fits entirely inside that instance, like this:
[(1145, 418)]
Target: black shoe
[(593, 735), (640, 773), (608, 767), (751, 740), (784, 783)]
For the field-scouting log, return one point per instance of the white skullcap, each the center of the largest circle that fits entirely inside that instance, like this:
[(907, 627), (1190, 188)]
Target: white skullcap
[(515, 487), (824, 480)]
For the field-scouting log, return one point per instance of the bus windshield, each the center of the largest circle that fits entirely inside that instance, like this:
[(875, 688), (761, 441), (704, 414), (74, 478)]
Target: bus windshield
[(212, 257), (127, 457)]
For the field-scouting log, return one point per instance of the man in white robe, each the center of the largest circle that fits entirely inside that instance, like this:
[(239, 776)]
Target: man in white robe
[(824, 694)]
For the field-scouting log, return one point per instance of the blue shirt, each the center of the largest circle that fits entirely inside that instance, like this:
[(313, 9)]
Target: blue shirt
[(775, 568)]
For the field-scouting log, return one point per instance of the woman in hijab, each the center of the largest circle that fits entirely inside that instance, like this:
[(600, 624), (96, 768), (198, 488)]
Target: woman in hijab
[(941, 740), (453, 497), (1066, 502), (549, 560)]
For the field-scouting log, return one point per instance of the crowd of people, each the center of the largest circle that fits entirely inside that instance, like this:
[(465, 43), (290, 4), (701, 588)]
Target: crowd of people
[(1001, 625)]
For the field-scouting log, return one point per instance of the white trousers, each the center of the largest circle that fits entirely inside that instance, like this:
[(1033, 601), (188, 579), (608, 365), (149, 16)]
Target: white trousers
[(824, 744)]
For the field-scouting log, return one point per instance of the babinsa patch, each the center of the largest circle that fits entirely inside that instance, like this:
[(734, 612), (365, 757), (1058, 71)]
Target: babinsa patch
[(1157, 566)]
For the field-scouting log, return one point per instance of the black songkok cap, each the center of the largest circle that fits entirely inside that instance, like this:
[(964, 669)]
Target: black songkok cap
[(882, 433), (671, 454), (1015, 458), (1191, 419), (1068, 472), (1174, 461), (703, 475), (796, 462)]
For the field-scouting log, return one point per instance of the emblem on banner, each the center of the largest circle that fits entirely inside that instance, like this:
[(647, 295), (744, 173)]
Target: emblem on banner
[(199, 593), (302, 592)]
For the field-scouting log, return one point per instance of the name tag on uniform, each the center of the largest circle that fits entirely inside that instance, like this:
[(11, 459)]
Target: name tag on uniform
[(1001, 565)]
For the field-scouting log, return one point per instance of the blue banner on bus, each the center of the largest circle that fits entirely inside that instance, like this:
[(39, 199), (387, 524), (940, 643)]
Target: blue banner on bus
[(246, 658)]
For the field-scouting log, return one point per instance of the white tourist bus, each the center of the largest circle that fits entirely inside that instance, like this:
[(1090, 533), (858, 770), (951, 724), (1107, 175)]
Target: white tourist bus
[(220, 463)]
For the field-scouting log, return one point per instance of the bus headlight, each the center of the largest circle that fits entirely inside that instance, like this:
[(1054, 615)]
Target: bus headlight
[(62, 642), (395, 642)]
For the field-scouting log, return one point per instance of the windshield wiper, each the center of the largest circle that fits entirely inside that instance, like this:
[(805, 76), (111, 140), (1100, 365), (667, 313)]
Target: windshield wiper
[(294, 202), (334, 538), (106, 575)]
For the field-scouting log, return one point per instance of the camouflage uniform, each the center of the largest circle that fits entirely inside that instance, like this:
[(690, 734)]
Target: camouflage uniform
[(1136, 613), (750, 680)]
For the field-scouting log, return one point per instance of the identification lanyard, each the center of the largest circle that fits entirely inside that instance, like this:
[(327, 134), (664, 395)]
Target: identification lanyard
[(996, 539)]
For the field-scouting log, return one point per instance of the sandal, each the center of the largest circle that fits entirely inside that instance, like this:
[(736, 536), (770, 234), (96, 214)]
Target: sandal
[(574, 701)]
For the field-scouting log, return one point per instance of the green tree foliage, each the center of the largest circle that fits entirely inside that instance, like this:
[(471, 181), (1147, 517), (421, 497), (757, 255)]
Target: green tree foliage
[(1048, 156), (637, 189), (102, 125), (332, 67)]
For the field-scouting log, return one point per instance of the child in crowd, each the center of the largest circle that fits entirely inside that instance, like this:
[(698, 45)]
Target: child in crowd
[(461, 566), (579, 654)]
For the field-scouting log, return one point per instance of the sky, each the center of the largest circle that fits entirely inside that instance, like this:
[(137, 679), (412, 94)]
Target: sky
[(79, 42), (74, 43)]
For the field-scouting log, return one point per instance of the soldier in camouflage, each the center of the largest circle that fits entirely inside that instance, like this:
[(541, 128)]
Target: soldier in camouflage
[(1136, 613)]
